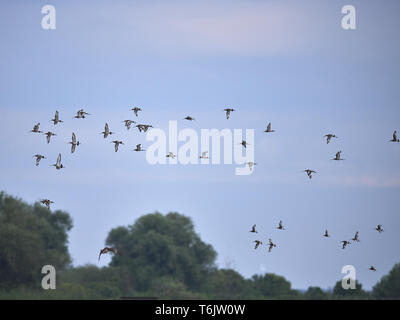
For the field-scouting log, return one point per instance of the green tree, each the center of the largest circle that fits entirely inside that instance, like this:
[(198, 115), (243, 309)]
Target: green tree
[(162, 246), (229, 284), (315, 293), (30, 237), (271, 286), (357, 293), (389, 286)]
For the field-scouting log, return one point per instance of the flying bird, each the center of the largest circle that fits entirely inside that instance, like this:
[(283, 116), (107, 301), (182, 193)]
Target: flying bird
[(143, 127), (116, 144), (128, 123), (47, 202), (257, 242), (48, 136), (329, 136), (280, 226), (228, 112), (395, 139), (189, 118), (251, 164), (309, 172), (139, 148), (136, 110), (73, 143), (58, 164), (326, 234), (38, 158), (56, 119), (372, 268), (356, 239), (204, 155), (269, 128), (80, 114), (106, 131), (345, 243), (337, 156), (36, 128), (379, 228), (244, 143), (253, 229), (171, 155), (107, 250), (270, 245)]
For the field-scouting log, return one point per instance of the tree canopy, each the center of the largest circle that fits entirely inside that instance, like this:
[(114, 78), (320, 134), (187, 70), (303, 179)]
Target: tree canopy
[(30, 237), (159, 246)]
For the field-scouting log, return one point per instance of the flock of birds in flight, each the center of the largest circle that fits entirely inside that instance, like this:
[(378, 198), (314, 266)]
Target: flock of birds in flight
[(81, 114), (309, 172)]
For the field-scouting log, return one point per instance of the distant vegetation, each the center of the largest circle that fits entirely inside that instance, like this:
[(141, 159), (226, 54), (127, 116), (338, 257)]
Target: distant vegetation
[(162, 256)]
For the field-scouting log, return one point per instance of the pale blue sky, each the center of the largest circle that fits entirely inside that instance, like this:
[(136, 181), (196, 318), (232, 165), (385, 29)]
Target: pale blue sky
[(279, 61)]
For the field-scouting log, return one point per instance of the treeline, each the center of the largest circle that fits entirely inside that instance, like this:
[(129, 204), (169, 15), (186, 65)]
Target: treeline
[(162, 256)]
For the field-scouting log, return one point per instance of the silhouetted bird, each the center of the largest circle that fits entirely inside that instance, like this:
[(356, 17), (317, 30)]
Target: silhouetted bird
[(128, 123), (106, 131), (253, 229), (337, 156), (270, 245), (143, 127), (107, 250), (47, 202), (73, 143), (309, 172), (372, 268), (171, 155), (394, 139), (228, 112), (326, 234), (188, 118), (345, 243), (356, 237), (116, 144), (48, 135), (269, 128), (280, 226), (138, 148), (257, 242), (251, 164), (136, 110), (329, 136), (56, 119), (58, 164), (80, 114), (38, 158), (204, 155), (36, 128), (379, 228), (244, 143)]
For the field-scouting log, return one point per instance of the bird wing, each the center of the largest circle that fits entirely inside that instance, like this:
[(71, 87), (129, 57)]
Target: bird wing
[(106, 129), (59, 159), (73, 146), (73, 138)]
